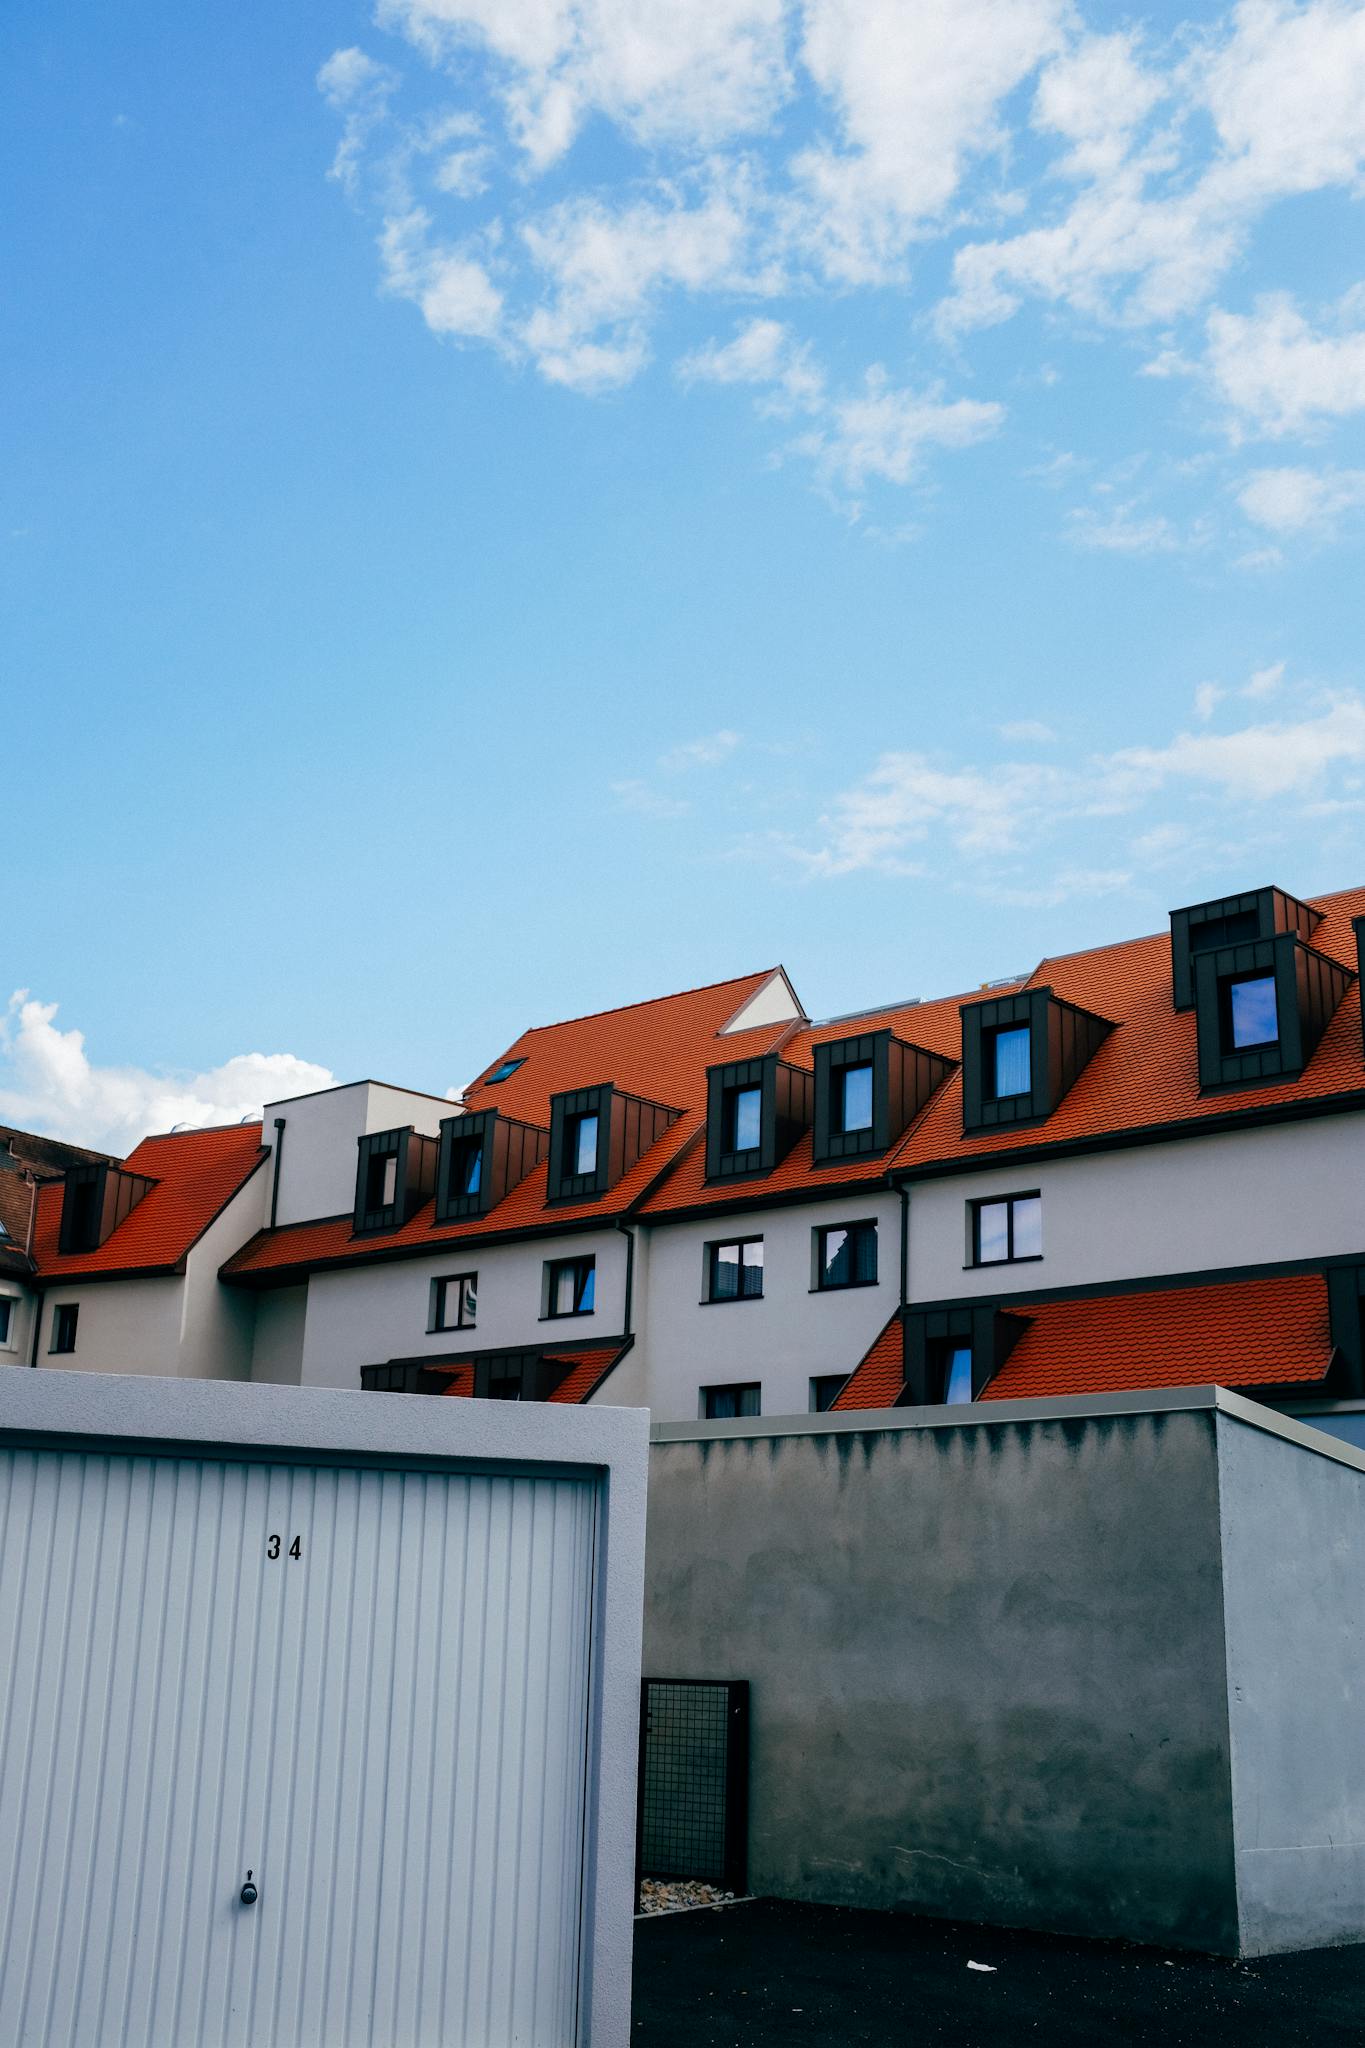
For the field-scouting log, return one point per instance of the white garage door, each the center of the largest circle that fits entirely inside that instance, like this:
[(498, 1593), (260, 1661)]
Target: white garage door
[(367, 1687)]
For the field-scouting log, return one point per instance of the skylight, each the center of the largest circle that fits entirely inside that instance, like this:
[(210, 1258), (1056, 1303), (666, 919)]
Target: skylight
[(504, 1072)]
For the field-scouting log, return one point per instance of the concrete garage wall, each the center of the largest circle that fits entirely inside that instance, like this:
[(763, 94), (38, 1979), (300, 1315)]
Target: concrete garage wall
[(1293, 1526), (987, 1659)]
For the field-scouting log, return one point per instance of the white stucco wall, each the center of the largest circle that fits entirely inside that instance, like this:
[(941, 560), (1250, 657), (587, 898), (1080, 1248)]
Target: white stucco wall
[(782, 1339), (277, 1354), (123, 1326), (1286, 1191), (217, 1323), (366, 1314), (17, 1346), (318, 1162)]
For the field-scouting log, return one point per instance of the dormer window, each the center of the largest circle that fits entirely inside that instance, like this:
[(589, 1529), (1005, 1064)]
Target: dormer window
[(596, 1135), (755, 1112), (742, 1120), (1020, 1055), (1231, 921), (852, 1107), (381, 1181), (867, 1090), (395, 1175), (1252, 1018), (483, 1156), (95, 1200), (1009, 1062), (1261, 1008)]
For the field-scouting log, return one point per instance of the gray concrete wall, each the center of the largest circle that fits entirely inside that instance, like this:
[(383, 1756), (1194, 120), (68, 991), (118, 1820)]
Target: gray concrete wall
[(987, 1661), (1293, 1525)]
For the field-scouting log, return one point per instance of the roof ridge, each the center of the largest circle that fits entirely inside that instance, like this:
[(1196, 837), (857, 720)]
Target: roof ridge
[(649, 1002), (253, 1123)]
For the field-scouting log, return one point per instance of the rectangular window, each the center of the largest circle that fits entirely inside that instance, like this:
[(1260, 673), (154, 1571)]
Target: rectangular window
[(742, 1120), (1009, 1065), (853, 1098), (956, 1374), (581, 1143), (571, 1287), (454, 1301), (504, 1072), (825, 1390), (734, 1271), (1250, 1017), (725, 1404), (1008, 1228), (466, 1167), (845, 1255), (64, 1326), (381, 1181), (6, 1318)]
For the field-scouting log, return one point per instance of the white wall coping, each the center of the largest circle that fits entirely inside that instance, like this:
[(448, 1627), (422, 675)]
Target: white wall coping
[(1052, 1408), (608, 1445)]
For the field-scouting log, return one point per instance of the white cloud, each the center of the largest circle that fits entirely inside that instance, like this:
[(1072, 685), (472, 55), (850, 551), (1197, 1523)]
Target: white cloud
[(452, 286), (359, 89), (1272, 368), (1095, 94), (1125, 530), (911, 804), (49, 1084), (1299, 500), (703, 753), (883, 431), (762, 352)]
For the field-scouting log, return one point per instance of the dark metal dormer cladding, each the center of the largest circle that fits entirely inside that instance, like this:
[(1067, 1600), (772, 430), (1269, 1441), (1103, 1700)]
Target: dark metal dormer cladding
[(867, 1090), (1261, 1008), (755, 1112), (1346, 1315), (95, 1200), (1231, 921), (482, 1157), (596, 1135), (931, 1335), (517, 1375), (395, 1174), (1020, 1055)]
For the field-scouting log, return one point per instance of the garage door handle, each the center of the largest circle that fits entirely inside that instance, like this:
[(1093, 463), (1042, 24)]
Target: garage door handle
[(248, 1891)]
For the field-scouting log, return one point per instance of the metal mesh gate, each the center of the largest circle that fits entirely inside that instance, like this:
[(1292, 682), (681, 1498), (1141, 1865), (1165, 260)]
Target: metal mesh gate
[(694, 1780)]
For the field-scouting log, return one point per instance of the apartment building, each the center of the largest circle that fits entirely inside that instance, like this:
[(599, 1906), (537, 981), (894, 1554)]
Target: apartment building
[(1135, 1167)]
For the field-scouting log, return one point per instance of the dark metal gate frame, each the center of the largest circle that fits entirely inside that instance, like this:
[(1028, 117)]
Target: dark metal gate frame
[(733, 1874)]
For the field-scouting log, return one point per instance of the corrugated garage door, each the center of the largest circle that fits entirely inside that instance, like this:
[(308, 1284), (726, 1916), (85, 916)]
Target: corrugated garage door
[(368, 1687)]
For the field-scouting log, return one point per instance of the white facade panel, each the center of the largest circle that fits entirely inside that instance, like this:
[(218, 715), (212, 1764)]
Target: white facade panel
[(371, 1687), (784, 1339), (315, 1156), (1243, 1198), (364, 1315)]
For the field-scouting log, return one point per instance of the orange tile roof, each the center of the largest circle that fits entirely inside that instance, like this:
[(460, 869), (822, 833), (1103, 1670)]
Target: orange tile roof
[(1234, 1333), (195, 1173), (880, 1374), (587, 1370)]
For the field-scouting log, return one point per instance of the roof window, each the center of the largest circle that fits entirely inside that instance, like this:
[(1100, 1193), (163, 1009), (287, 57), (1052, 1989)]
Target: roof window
[(596, 1135), (395, 1174), (483, 1155), (867, 1090), (503, 1073), (1261, 1008), (1020, 1055), (755, 1112), (1231, 921)]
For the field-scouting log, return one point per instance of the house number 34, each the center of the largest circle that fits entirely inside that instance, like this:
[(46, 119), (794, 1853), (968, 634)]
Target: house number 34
[(272, 1548)]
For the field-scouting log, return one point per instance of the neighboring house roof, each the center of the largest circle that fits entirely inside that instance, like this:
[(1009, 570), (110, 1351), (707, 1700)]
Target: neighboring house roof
[(194, 1174), (24, 1158), (659, 1050), (1269, 1332)]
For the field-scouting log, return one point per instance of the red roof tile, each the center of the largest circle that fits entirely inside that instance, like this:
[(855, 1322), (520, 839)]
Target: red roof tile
[(1235, 1333), (195, 1173), (878, 1378)]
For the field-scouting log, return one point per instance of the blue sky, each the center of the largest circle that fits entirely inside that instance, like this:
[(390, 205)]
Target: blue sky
[(513, 506)]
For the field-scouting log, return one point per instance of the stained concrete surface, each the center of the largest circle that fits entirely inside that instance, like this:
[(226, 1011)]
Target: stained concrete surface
[(773, 1974)]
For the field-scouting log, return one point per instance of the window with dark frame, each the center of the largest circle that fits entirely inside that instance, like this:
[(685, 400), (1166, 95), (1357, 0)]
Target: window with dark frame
[(1250, 1016), (852, 1104), (381, 1181), (84, 1220), (728, 1404), (454, 1301), (6, 1317), (734, 1269), (570, 1287), (580, 1143), (1008, 1063), (950, 1372), (825, 1389), (503, 1073), (64, 1318), (466, 1168), (845, 1256), (1007, 1229), (742, 1119)]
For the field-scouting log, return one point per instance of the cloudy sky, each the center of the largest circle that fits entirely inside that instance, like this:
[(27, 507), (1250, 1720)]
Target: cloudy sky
[(511, 506)]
